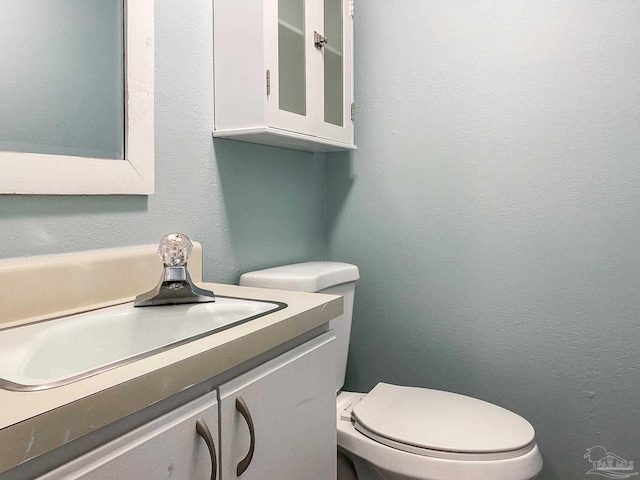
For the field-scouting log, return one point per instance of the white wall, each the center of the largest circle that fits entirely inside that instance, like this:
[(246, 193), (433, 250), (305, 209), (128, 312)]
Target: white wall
[(493, 207)]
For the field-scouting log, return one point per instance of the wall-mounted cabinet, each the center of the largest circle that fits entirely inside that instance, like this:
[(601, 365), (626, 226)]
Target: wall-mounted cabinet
[(284, 73)]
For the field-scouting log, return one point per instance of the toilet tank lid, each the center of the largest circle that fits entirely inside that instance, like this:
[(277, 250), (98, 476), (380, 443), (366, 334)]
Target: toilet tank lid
[(302, 277)]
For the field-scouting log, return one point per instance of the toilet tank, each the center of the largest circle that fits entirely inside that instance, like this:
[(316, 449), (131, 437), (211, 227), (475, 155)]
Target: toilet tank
[(334, 278)]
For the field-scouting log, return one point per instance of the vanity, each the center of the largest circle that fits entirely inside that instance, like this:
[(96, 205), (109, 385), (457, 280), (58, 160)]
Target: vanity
[(250, 401)]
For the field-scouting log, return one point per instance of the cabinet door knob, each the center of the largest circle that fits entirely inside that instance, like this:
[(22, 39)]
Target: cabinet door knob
[(241, 406), (203, 431), (319, 41)]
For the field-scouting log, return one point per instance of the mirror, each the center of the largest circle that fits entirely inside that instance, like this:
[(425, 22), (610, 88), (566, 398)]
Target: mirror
[(76, 97), (64, 94)]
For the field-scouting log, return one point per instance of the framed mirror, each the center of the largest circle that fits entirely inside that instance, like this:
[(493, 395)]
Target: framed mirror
[(77, 97)]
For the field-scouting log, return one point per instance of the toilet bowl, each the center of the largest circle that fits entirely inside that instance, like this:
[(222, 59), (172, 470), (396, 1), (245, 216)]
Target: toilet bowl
[(409, 433)]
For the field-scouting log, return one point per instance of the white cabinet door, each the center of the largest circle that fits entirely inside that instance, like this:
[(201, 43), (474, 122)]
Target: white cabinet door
[(291, 404), (336, 71), (292, 62), (169, 447), (311, 68)]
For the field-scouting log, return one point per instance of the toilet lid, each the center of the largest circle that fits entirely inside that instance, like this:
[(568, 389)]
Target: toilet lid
[(442, 421)]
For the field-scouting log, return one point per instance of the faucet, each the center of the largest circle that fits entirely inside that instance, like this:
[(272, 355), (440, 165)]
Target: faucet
[(175, 284)]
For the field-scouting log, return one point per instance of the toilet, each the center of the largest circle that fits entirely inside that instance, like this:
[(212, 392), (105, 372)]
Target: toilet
[(402, 432)]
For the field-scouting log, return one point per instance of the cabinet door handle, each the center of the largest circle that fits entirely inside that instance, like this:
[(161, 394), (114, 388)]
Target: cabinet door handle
[(203, 431), (319, 41), (241, 406)]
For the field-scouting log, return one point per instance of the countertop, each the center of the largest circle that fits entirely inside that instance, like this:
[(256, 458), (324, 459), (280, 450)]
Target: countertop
[(33, 423)]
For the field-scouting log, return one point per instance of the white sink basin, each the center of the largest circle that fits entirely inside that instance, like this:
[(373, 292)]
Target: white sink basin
[(60, 351)]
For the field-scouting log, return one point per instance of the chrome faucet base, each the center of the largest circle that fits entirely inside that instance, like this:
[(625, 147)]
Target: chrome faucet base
[(175, 287)]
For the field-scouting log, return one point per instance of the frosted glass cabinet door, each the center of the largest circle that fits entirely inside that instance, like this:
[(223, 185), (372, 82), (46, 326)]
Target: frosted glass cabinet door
[(168, 447), (291, 61), (291, 403), (312, 86), (333, 63), (292, 56), (337, 71)]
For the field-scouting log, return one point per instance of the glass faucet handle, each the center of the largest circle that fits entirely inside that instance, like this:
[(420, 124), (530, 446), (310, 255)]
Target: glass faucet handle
[(175, 249)]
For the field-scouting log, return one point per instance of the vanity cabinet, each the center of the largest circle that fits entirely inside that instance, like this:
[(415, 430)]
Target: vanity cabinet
[(274, 422), (284, 72)]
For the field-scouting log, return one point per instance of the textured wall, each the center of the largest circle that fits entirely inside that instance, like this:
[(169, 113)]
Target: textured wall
[(493, 207), (250, 206)]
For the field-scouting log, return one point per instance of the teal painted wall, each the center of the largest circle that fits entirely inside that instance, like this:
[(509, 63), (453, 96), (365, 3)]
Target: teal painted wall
[(493, 207), (250, 206)]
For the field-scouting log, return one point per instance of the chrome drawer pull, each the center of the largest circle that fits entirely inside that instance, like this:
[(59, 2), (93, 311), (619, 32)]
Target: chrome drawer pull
[(203, 431), (241, 406)]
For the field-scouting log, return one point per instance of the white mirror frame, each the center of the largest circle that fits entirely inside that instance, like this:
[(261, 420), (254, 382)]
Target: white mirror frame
[(33, 173)]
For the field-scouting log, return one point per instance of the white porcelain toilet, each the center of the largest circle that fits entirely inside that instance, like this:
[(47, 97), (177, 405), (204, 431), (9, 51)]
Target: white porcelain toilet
[(409, 433)]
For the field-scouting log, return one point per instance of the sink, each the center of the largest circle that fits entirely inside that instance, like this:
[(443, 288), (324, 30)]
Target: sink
[(57, 352)]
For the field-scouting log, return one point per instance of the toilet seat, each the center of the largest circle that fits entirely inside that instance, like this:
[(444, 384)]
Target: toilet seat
[(397, 463), (441, 424)]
